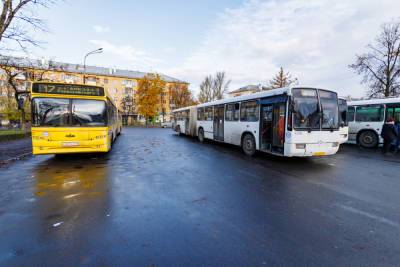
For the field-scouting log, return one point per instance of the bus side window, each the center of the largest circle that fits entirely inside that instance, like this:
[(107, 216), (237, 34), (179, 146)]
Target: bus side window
[(208, 113), (369, 114), (350, 114), (200, 114), (249, 111)]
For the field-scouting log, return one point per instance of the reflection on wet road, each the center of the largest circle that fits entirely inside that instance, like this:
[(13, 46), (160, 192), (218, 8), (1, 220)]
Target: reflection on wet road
[(160, 199)]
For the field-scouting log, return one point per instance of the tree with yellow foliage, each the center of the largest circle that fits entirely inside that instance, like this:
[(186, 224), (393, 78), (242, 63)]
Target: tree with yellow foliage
[(148, 95), (180, 95)]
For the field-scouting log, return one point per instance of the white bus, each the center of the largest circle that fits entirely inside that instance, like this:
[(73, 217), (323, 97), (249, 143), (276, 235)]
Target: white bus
[(366, 118), (343, 123), (286, 122)]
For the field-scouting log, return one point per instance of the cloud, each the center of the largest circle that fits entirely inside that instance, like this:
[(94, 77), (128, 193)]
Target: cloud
[(101, 29), (314, 40), (138, 58)]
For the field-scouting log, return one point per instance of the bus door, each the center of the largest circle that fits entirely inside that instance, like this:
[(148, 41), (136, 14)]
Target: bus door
[(266, 127), (272, 124), (278, 132), (393, 111), (219, 123)]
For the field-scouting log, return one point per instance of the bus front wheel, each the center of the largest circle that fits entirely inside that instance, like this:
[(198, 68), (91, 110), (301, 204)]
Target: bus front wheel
[(368, 139), (249, 145), (200, 135)]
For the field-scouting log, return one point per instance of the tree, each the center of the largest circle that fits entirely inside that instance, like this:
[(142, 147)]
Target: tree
[(128, 105), (17, 72), (18, 21), (180, 95), (148, 94), (205, 94), (213, 88), (380, 66), (282, 79), (220, 85)]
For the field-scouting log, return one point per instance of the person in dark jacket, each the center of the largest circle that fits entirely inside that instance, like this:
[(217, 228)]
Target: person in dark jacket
[(389, 134), (397, 148)]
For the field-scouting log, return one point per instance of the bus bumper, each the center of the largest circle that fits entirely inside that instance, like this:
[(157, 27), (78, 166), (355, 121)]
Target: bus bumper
[(44, 145), (311, 150)]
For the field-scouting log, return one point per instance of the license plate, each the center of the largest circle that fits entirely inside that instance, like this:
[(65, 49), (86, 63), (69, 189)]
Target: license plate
[(319, 154), (70, 144)]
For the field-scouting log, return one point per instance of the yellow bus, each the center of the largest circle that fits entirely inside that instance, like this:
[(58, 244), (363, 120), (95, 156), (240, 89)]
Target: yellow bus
[(72, 118)]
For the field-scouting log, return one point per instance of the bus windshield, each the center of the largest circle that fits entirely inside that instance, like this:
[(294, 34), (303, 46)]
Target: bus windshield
[(329, 105), (305, 109), (88, 112), (58, 112)]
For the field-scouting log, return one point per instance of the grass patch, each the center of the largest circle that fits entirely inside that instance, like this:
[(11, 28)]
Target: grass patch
[(7, 135)]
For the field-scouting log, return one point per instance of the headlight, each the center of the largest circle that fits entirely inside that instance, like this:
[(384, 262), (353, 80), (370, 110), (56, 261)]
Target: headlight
[(300, 146)]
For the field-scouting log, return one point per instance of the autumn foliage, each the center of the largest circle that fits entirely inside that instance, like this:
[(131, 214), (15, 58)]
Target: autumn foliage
[(148, 95), (180, 95)]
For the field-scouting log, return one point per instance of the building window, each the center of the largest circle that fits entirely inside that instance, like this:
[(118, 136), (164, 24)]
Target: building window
[(129, 83), (69, 77), (128, 91)]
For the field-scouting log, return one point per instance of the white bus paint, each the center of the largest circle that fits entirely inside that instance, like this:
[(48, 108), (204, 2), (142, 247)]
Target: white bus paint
[(261, 121), (366, 118)]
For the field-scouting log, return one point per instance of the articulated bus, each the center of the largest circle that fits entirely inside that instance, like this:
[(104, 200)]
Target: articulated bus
[(72, 118), (366, 118), (287, 122)]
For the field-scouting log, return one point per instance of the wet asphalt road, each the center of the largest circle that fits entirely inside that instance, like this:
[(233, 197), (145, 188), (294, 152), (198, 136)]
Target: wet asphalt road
[(163, 200)]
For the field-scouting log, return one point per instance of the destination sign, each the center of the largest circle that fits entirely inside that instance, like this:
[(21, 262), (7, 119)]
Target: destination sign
[(67, 89)]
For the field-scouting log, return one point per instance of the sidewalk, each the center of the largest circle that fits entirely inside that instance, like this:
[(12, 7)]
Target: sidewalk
[(10, 150)]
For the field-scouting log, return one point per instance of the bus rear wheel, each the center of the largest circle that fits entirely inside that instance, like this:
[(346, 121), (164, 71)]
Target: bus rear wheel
[(249, 145), (200, 135), (368, 139)]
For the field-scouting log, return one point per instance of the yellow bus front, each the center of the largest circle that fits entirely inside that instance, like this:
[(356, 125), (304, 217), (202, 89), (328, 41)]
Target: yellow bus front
[(71, 124)]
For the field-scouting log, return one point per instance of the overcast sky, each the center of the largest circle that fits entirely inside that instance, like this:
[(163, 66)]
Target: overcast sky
[(250, 40)]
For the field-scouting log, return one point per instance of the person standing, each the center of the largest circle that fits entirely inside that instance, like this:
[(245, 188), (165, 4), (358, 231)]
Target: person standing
[(397, 148), (389, 134)]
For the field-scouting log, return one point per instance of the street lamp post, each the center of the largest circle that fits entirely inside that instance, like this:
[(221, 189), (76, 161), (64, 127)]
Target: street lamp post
[(97, 51)]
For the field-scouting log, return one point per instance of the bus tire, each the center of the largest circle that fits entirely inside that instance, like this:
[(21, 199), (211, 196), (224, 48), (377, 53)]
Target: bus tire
[(248, 144), (200, 135), (178, 130), (368, 139)]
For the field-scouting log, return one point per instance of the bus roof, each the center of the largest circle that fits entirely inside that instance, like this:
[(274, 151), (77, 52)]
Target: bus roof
[(182, 109), (374, 101), (262, 94), (257, 95)]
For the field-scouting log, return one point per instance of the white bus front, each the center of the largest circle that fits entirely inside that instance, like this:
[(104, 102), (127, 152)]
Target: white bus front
[(312, 124)]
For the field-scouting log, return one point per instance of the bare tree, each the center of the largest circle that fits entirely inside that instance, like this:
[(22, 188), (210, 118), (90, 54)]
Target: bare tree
[(380, 66), (282, 79), (213, 88), (206, 94), (19, 71), (220, 85), (18, 22)]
